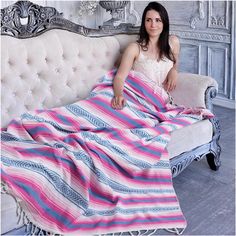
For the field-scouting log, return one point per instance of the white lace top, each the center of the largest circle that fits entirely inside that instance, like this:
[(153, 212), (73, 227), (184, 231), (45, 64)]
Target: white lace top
[(154, 71)]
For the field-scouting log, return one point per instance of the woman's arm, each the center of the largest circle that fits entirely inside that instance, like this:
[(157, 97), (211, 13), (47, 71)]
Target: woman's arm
[(171, 79), (130, 54)]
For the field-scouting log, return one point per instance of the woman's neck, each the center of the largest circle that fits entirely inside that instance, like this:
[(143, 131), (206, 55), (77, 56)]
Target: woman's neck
[(153, 45), (153, 41)]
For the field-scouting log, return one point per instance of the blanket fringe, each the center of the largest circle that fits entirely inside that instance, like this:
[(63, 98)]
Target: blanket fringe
[(33, 229), (23, 219), (144, 232), (176, 231), (4, 188)]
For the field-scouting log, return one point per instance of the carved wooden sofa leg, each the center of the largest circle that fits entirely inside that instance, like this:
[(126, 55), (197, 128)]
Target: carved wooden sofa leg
[(213, 157)]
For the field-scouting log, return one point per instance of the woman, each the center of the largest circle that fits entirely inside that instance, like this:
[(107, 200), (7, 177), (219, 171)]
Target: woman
[(155, 54), (87, 169)]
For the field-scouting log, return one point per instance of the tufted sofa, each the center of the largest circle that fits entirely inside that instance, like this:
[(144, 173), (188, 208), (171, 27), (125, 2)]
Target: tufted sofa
[(50, 68)]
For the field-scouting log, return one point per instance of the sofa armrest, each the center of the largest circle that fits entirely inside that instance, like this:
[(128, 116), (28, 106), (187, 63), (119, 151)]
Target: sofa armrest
[(194, 90)]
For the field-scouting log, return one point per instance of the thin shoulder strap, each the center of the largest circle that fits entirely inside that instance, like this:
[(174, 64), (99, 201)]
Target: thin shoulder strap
[(139, 47)]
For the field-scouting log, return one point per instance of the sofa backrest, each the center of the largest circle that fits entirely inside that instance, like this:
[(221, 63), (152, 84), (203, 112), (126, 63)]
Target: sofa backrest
[(53, 69)]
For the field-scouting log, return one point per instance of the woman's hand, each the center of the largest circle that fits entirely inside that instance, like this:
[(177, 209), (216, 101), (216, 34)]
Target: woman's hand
[(170, 82), (118, 102)]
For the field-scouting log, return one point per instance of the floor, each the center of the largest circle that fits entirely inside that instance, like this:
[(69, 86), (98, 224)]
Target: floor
[(207, 197)]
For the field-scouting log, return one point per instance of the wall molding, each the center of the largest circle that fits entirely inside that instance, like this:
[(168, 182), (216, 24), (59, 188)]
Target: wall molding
[(217, 21), (211, 51), (200, 16), (219, 101), (203, 36)]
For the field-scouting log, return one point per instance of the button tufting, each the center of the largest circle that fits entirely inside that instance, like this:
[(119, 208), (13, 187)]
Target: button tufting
[(10, 63), (27, 107), (57, 70)]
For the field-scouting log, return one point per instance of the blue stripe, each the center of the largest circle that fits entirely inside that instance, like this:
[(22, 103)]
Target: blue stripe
[(118, 187), (33, 131), (81, 112), (140, 146), (146, 94), (28, 116), (56, 181), (126, 173), (118, 113), (44, 207)]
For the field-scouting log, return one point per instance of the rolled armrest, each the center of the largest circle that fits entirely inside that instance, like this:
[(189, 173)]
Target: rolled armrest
[(194, 90)]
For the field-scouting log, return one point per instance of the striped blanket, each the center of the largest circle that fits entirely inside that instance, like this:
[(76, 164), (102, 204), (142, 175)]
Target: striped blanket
[(87, 169)]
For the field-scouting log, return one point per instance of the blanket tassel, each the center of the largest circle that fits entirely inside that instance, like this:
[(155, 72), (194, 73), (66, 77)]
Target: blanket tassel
[(144, 232), (30, 228), (176, 231)]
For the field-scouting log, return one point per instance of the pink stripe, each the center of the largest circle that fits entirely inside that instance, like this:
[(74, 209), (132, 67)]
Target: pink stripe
[(112, 114), (131, 223), (139, 142), (33, 204), (41, 212), (111, 200), (128, 179), (149, 89), (73, 122), (75, 173)]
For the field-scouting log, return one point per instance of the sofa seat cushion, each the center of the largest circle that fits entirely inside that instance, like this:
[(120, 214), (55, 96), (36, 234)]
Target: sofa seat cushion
[(190, 137)]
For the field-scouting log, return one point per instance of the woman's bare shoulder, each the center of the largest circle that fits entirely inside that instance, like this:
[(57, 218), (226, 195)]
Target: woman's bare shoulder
[(133, 47), (173, 40)]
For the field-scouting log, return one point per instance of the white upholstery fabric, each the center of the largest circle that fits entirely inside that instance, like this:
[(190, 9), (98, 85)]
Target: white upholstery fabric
[(189, 137), (191, 88), (60, 67), (53, 69)]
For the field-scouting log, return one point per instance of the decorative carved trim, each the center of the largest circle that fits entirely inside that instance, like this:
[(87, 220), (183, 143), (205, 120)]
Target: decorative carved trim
[(41, 19), (204, 36), (211, 151), (210, 93), (201, 15), (133, 13), (218, 21), (213, 157), (38, 18), (181, 162)]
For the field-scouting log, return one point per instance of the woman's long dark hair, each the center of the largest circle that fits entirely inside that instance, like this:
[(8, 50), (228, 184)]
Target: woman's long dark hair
[(163, 42)]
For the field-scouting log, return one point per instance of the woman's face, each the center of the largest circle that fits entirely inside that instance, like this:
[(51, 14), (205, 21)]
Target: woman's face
[(153, 23)]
